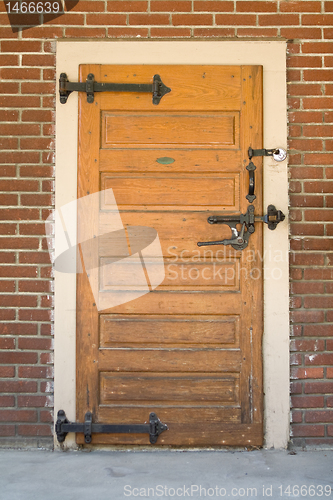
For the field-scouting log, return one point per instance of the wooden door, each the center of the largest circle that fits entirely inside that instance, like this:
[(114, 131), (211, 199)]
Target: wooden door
[(190, 349)]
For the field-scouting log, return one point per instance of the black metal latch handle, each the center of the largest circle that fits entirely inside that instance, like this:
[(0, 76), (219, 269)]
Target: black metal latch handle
[(157, 88), (278, 154), (240, 240), (63, 427)]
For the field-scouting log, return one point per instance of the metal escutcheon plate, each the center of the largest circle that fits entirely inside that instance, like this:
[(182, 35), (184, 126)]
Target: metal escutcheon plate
[(281, 155)]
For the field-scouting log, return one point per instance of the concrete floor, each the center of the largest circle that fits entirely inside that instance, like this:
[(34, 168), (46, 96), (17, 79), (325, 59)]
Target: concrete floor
[(103, 475)]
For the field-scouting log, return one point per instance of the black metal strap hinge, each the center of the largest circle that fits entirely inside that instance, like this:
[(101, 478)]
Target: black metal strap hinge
[(240, 239), (63, 427), (157, 88)]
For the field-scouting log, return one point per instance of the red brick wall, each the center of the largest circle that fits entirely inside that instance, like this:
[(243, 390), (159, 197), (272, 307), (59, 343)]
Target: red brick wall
[(27, 103)]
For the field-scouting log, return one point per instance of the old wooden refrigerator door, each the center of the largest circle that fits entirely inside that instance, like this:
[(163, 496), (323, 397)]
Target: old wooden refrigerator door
[(189, 349)]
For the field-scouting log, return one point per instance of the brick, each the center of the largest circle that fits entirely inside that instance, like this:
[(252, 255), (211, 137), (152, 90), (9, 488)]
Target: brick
[(317, 244), (9, 60), (35, 229), (139, 6), (318, 130), (18, 329), (7, 343), (296, 416), (19, 185), (318, 186), (305, 345), (15, 243), (37, 88), (46, 416), (307, 316), (317, 48), (308, 259), (317, 19), (7, 371), (306, 373), (307, 229), (7, 314), (306, 201), (35, 286), (307, 288), (318, 75), (318, 274), (7, 229), (108, 20), (319, 359), (318, 387), (35, 343), (7, 401), (292, 6), (319, 416), (318, 102), (18, 386), (257, 32), (307, 401), (293, 33), (295, 187), (42, 32), (303, 89), (18, 271), (318, 215), (295, 388), (18, 301), (68, 19), (236, 19), (84, 33), (20, 129), (36, 171), (34, 315), (7, 115), (210, 6), (20, 157), (7, 430), (127, 32), (20, 73), (306, 117), (37, 199), (302, 61), (318, 159), (308, 430), (20, 46), (9, 87), (278, 19), (35, 430), (37, 115), (257, 7), (87, 6), (7, 257), (306, 144), (32, 401), (18, 416), (328, 116), (192, 19), (34, 258), (170, 32), (33, 371), (329, 401), (22, 358)]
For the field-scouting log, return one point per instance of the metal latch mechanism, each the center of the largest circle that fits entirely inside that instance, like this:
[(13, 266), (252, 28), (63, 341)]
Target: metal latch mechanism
[(157, 88), (278, 154), (63, 427), (240, 240)]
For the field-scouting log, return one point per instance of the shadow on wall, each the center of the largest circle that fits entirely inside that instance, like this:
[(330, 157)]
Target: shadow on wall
[(24, 15)]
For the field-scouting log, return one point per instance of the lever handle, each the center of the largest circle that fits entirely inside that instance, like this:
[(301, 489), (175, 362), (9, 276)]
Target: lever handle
[(251, 168)]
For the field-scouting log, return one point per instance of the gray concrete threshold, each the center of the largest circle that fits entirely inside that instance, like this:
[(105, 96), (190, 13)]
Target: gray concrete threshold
[(101, 475)]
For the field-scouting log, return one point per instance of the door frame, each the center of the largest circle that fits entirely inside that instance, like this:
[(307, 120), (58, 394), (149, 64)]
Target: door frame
[(272, 56)]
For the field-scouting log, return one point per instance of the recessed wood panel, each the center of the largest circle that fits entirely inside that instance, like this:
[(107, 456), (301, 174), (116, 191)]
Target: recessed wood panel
[(185, 160), (168, 191), (133, 129), (170, 360), (176, 389), (137, 272), (161, 330)]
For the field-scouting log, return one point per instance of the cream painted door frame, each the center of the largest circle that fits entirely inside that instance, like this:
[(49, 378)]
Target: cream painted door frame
[(272, 56)]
